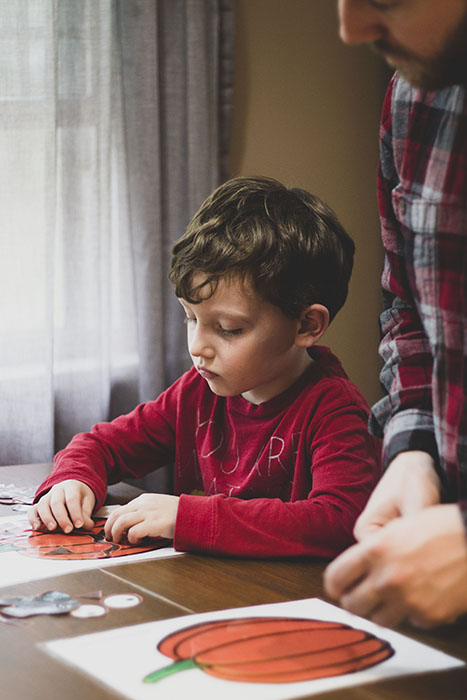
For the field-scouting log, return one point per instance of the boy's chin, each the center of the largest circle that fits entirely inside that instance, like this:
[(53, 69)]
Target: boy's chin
[(223, 394), (219, 391)]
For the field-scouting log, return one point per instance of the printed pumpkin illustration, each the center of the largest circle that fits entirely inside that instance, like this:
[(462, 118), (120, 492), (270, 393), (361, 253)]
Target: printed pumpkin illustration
[(79, 544), (271, 650)]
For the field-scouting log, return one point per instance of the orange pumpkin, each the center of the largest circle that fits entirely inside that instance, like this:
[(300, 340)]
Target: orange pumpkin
[(271, 650), (79, 544)]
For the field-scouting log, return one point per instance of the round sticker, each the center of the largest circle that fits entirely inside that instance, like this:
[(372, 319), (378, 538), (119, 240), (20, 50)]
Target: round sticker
[(122, 600), (89, 611)]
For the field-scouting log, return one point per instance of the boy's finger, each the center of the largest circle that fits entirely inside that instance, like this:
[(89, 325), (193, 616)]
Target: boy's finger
[(75, 510), (122, 524), (80, 503), (88, 506), (88, 522), (80, 509), (109, 525), (34, 518), (61, 516), (137, 533), (121, 510), (115, 529), (45, 514)]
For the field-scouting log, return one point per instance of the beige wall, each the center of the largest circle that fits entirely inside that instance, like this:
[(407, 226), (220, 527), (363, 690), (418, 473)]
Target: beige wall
[(306, 111)]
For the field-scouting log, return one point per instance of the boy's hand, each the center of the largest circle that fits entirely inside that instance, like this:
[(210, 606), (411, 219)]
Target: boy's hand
[(67, 505), (409, 484), (149, 515)]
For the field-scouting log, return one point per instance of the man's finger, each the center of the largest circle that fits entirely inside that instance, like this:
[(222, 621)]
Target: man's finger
[(345, 571)]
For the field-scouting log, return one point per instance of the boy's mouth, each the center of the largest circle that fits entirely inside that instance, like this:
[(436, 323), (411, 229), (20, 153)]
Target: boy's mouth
[(206, 374)]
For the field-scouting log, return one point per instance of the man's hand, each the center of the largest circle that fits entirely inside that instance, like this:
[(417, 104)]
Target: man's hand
[(409, 484), (415, 567), (67, 505), (149, 515)]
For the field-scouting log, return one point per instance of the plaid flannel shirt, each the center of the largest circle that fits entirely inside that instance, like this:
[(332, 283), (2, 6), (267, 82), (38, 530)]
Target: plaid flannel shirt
[(422, 198)]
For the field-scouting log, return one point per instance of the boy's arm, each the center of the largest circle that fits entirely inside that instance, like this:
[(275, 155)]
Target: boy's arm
[(131, 446), (344, 466)]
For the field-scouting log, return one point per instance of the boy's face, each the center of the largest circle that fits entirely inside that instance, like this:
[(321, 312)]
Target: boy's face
[(242, 344)]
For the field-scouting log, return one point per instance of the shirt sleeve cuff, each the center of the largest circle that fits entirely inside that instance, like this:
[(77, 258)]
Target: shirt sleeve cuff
[(195, 526), (407, 441)]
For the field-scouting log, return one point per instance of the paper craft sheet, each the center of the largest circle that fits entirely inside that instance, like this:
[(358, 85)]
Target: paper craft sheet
[(122, 658), (17, 568)]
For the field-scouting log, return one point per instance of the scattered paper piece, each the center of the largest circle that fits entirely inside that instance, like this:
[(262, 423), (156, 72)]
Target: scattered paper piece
[(89, 610), (11, 495), (48, 603), (122, 600)]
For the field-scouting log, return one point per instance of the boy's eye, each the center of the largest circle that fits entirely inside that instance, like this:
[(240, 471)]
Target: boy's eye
[(229, 332), (384, 4)]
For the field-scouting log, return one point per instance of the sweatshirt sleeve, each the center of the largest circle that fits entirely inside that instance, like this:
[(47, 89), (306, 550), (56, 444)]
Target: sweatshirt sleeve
[(344, 467), (131, 446)]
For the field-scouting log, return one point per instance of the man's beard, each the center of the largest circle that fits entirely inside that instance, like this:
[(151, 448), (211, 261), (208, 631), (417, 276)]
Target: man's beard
[(448, 67)]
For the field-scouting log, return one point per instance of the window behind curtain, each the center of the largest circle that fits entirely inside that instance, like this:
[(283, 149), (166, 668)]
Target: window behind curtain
[(113, 122)]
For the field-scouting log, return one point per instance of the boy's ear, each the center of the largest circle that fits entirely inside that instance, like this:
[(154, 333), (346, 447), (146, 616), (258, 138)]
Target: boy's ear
[(313, 322)]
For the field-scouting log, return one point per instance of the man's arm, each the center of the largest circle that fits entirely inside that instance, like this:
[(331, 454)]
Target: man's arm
[(414, 564), (404, 416)]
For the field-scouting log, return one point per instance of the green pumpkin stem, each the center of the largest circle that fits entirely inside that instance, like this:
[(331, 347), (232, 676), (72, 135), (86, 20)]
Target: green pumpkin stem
[(183, 665)]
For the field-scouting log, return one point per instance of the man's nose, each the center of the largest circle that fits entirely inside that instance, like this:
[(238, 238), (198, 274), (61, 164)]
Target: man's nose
[(359, 22)]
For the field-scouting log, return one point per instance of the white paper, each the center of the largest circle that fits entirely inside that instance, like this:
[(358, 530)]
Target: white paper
[(121, 658), (18, 568)]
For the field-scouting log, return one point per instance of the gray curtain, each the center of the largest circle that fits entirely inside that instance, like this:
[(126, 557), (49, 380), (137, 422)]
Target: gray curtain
[(114, 119)]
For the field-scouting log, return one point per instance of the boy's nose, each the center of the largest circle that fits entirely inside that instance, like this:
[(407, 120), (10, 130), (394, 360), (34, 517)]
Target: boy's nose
[(359, 22), (198, 344)]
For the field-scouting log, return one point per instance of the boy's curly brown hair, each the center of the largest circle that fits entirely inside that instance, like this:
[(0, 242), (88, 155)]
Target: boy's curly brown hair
[(286, 243)]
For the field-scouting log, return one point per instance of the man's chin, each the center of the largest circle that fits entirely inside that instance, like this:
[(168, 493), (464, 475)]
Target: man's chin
[(420, 78), (436, 74), (427, 79), (424, 77)]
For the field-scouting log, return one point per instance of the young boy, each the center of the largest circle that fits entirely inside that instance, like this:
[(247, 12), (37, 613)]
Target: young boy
[(266, 426)]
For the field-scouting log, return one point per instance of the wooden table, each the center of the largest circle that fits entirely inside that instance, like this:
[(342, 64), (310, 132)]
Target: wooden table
[(177, 586)]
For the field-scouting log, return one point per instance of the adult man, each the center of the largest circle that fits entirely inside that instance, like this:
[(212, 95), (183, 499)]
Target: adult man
[(411, 557)]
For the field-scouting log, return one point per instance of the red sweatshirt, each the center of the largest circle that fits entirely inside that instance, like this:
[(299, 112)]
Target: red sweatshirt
[(285, 478)]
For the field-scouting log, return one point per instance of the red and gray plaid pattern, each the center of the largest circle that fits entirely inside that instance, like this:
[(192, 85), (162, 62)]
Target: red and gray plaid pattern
[(422, 195)]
